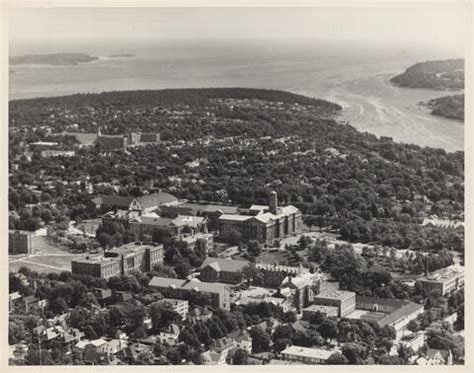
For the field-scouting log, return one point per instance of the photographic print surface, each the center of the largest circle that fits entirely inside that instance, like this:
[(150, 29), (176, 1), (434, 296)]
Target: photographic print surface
[(236, 186)]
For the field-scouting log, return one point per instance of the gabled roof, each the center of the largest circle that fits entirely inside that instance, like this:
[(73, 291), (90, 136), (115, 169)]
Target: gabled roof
[(226, 265), (194, 284), (119, 201), (235, 217), (265, 217), (156, 199)]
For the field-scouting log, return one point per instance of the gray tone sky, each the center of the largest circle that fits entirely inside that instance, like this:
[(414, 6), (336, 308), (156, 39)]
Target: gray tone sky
[(440, 26)]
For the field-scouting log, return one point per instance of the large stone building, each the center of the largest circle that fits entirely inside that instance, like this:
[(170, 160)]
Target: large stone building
[(305, 355), (303, 289), (181, 307), (147, 223), (222, 270), (121, 261), (444, 280), (387, 311), (345, 301), (263, 223), (21, 242), (218, 294)]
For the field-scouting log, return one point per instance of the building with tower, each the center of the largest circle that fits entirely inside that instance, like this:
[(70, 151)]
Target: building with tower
[(262, 223)]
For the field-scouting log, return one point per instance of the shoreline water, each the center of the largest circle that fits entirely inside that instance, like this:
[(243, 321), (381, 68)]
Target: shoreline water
[(370, 103)]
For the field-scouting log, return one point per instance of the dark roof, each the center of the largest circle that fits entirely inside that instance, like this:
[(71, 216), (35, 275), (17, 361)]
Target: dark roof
[(119, 201), (381, 301), (225, 209), (404, 310), (209, 287), (110, 142), (149, 137), (226, 265)]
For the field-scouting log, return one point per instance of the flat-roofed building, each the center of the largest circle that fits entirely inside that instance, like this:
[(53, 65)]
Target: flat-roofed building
[(219, 294), (345, 301), (262, 223), (179, 306), (21, 242), (305, 355), (121, 261), (326, 311), (445, 280), (388, 312)]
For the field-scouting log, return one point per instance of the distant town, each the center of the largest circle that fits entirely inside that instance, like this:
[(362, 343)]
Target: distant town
[(278, 235)]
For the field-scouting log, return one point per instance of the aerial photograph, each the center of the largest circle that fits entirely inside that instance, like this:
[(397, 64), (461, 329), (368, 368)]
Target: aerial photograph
[(236, 186)]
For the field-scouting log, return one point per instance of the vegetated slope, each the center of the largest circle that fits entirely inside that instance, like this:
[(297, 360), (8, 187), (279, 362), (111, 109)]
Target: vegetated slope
[(439, 75), (54, 59), (448, 106), (240, 142)]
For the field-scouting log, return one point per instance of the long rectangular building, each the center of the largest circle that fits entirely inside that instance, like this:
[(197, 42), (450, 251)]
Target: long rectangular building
[(219, 294), (446, 279), (121, 261), (263, 223)]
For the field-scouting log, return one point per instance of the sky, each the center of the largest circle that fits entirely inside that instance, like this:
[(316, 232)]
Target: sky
[(425, 25)]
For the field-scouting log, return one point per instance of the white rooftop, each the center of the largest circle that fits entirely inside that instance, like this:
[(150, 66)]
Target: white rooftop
[(315, 353)]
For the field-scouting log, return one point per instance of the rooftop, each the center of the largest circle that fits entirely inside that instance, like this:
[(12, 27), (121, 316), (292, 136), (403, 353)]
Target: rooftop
[(322, 309), (227, 265), (194, 284), (315, 353), (445, 274), (336, 294)]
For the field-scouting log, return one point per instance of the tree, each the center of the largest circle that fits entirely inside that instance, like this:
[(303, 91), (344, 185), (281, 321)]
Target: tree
[(413, 326), (182, 268), (337, 359), (234, 237), (260, 340), (253, 248), (240, 357), (353, 353), (249, 273), (328, 329)]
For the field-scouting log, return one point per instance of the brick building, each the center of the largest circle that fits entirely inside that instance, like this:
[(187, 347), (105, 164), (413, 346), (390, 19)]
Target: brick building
[(222, 270), (21, 242), (219, 294), (263, 223), (345, 301), (121, 261)]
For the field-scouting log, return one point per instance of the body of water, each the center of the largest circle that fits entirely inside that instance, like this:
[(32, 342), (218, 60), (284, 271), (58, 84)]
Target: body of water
[(355, 77)]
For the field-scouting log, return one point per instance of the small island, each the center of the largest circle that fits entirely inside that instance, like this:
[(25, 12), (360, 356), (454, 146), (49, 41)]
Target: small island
[(53, 59), (438, 75), (451, 107)]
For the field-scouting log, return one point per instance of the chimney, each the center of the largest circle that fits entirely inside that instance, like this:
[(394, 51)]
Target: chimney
[(273, 202), (427, 266)]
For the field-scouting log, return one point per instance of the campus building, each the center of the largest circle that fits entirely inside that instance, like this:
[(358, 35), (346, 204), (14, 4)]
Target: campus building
[(21, 242), (387, 311), (345, 301), (146, 224), (219, 294), (181, 307), (305, 355), (222, 270), (141, 204), (445, 280), (301, 290), (263, 223), (121, 261), (326, 311)]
